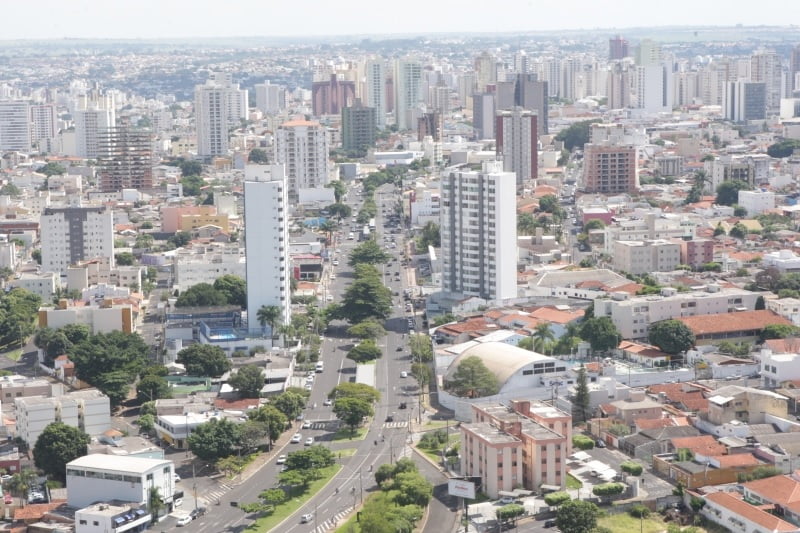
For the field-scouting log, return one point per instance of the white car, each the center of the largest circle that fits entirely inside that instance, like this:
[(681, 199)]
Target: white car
[(178, 502), (335, 262), (403, 374), (306, 425), (175, 477), (297, 437), (309, 441), (327, 401), (281, 459), (306, 518), (184, 520)]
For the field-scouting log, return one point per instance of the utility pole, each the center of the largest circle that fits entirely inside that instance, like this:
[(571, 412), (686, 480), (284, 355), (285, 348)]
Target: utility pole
[(194, 486)]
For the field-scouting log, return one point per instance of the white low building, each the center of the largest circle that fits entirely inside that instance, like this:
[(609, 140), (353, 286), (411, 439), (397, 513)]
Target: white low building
[(777, 368), (756, 202), (111, 518), (88, 410), (788, 308), (101, 478), (783, 260)]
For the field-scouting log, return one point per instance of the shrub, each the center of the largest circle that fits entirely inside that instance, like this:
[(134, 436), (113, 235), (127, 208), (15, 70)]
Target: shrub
[(582, 442), (554, 499), (608, 489), (634, 469), (639, 511)]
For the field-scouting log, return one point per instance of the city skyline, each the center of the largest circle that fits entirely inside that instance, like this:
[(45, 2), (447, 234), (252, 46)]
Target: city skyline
[(78, 19)]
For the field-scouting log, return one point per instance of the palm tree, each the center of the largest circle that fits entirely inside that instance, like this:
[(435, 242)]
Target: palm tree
[(329, 226), (21, 483), (268, 314), (543, 337), (154, 503)]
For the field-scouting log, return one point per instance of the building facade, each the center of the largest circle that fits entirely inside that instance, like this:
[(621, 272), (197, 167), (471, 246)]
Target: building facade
[(302, 147), (330, 97), (610, 169), (125, 159), (358, 128), (408, 93), (15, 126), (479, 233), (72, 234), (517, 143)]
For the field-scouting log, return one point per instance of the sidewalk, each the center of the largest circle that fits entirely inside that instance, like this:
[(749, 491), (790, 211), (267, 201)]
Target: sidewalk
[(263, 458)]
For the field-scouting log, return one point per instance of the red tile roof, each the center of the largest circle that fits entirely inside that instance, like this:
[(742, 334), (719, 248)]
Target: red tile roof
[(776, 489), (733, 502), (704, 444), (36, 511), (737, 459), (732, 322)]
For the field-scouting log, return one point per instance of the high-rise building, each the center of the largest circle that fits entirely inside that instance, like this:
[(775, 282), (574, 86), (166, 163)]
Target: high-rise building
[(654, 87), (430, 125), (331, 96), (483, 115), (527, 92), (745, 100), (479, 233), (125, 159), (618, 86), (375, 91), (518, 142), (15, 126), (89, 124), (648, 53), (270, 99), (485, 71), (765, 67), (218, 105), (266, 227), (73, 234), (794, 68), (358, 128), (44, 123), (302, 146), (407, 85), (617, 48), (609, 169)]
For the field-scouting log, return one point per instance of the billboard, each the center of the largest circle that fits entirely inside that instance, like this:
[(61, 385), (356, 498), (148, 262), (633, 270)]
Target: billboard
[(461, 488)]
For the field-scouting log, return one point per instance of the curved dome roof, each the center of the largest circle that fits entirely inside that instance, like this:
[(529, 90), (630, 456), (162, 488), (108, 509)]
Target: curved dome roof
[(503, 360)]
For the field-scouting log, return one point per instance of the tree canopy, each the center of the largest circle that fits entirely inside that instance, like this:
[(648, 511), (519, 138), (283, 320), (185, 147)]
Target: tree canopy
[(352, 411), (671, 336), (355, 390), (581, 398), (233, 288), (576, 135), (18, 308), (201, 295), (57, 445), (272, 417), (366, 297), (728, 191), (600, 333), (472, 379), (577, 516), (204, 360), (368, 329), (368, 252), (258, 156), (215, 439), (152, 387), (778, 331), (430, 236), (289, 403), (366, 350), (783, 148), (51, 169), (248, 381)]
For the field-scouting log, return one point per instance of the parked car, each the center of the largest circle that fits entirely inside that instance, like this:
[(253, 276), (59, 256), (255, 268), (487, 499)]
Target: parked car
[(197, 513), (505, 500), (599, 443), (281, 459), (297, 437), (309, 441), (177, 502), (549, 523), (403, 374), (306, 425), (184, 520)]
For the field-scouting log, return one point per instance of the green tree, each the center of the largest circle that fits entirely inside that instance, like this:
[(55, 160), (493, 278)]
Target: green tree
[(124, 259), (555, 499), (366, 350), (146, 423), (21, 482), (339, 190), (444, 319), (594, 223), (368, 329), (728, 191), (355, 390), (272, 417), (258, 156), (52, 169), (472, 379), (248, 380), (430, 236), (421, 348), (57, 445), (582, 442), (368, 252), (412, 487), (201, 295), (340, 211), (543, 337), (697, 503), (581, 398), (215, 439), (233, 288), (783, 148), (36, 255), (510, 512), (76, 333), (154, 503), (190, 168), (204, 360), (313, 457), (577, 516), (352, 411), (289, 403), (739, 211), (778, 331), (268, 314), (151, 388), (192, 185), (608, 489), (671, 336), (181, 238), (600, 333), (738, 231), (422, 373), (366, 297), (9, 189), (634, 469), (576, 135)]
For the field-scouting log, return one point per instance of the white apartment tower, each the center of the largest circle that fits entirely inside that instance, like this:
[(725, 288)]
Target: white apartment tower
[(15, 126), (270, 99), (73, 234), (302, 146), (517, 142), (376, 89), (266, 215), (479, 233), (765, 67), (44, 123), (211, 119), (408, 95)]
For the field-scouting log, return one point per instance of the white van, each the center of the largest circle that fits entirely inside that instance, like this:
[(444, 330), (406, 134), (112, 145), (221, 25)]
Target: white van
[(351, 236), (320, 366)]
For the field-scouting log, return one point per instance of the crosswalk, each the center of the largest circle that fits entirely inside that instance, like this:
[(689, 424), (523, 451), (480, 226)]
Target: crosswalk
[(395, 425), (211, 496), (325, 424), (333, 521)]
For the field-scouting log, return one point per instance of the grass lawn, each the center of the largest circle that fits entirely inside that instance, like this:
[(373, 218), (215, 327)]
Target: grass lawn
[(437, 424), (573, 482), (345, 434), (284, 510), (14, 354), (623, 523), (345, 452), (436, 454)]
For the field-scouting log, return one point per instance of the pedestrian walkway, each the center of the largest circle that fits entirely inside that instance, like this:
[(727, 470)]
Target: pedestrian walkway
[(211, 496), (395, 425)]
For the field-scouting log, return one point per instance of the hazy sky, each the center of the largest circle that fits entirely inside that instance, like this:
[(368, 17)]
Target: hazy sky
[(37, 19)]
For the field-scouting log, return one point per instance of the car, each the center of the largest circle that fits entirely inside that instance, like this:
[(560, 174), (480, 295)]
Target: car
[(281, 459), (309, 441), (306, 518), (177, 502), (335, 262), (309, 386), (390, 417), (300, 417), (197, 513), (297, 437), (399, 349), (184, 520), (507, 499), (7, 499), (306, 425), (403, 374), (549, 523), (402, 405), (599, 443), (327, 401), (175, 477), (333, 276), (5, 478)]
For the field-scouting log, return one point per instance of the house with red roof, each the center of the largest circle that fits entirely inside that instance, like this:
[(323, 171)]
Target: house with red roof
[(729, 509)]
